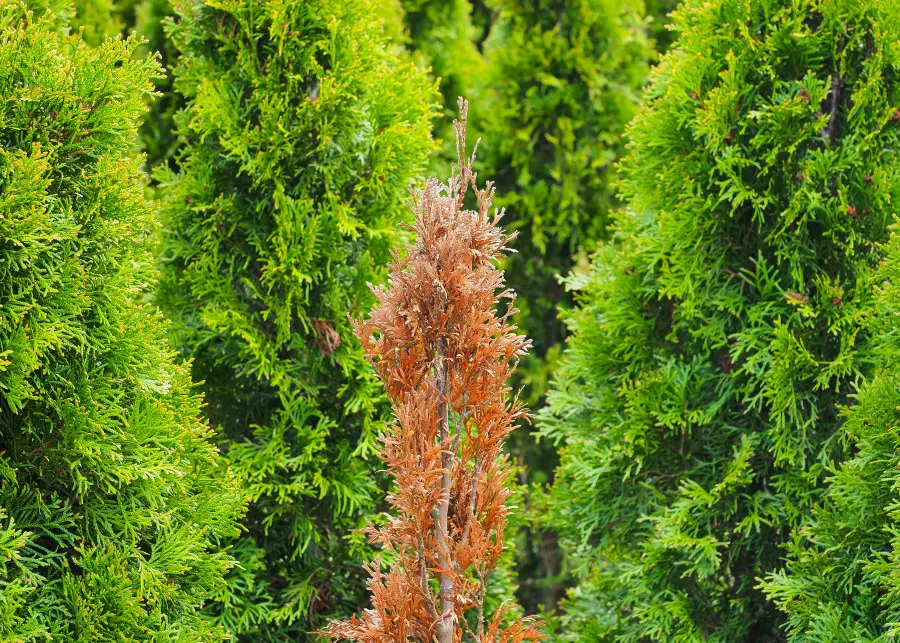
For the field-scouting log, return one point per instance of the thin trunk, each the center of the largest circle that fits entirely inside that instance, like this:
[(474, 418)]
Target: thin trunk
[(445, 625)]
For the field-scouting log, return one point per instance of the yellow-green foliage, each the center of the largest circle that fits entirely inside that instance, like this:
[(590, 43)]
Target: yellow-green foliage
[(302, 130), (113, 502)]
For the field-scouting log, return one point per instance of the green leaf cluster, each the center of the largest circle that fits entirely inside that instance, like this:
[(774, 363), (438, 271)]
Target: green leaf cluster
[(717, 338), (443, 39), (302, 130), (158, 137), (114, 504)]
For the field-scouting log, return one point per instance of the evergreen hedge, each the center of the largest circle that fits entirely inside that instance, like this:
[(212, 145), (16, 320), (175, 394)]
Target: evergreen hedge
[(658, 15), (699, 401), (442, 38), (302, 132), (113, 501), (561, 81), (159, 134), (98, 20)]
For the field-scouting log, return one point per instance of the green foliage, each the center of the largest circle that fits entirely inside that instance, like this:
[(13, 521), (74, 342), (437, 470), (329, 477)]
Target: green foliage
[(113, 501), (566, 79), (562, 81), (658, 18), (98, 20), (442, 38), (158, 136), (715, 341), (841, 582), (302, 131)]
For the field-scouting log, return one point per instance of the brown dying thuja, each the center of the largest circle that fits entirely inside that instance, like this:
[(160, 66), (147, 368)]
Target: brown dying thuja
[(444, 354)]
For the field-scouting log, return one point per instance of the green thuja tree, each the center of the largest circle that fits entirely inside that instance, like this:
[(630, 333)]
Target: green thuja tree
[(302, 131), (114, 503), (698, 405), (97, 20), (158, 137), (841, 581), (658, 12), (443, 38), (563, 81)]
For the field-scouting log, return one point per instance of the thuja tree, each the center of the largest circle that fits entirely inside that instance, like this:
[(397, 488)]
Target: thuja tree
[(97, 20), (658, 12), (698, 404), (301, 129), (443, 37), (565, 79), (158, 137), (440, 36), (444, 353), (841, 583), (563, 82), (113, 502)]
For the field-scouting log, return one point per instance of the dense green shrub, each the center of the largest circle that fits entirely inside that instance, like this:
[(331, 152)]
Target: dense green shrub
[(158, 136), (97, 20), (442, 38), (658, 18), (698, 403), (565, 79), (841, 582), (100, 19), (302, 131), (562, 80), (113, 502)]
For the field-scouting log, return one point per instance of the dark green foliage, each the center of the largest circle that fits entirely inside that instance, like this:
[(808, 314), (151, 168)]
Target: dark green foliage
[(302, 133), (565, 79), (841, 582), (113, 501), (158, 136), (562, 82), (698, 403)]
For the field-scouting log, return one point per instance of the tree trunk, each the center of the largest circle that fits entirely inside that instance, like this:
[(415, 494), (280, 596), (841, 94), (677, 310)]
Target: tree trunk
[(445, 625)]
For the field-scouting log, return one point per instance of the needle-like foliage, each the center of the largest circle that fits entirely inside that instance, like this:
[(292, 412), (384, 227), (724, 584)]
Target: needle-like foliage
[(717, 339), (114, 504), (841, 581), (442, 38), (444, 354), (564, 79)]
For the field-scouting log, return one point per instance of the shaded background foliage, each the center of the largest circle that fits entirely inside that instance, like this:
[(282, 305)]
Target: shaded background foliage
[(114, 504), (563, 81)]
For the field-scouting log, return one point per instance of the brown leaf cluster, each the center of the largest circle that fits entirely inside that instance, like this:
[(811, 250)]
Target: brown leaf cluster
[(444, 353)]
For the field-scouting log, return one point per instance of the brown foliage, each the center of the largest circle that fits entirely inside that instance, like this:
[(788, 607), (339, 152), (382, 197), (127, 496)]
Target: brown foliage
[(444, 355)]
